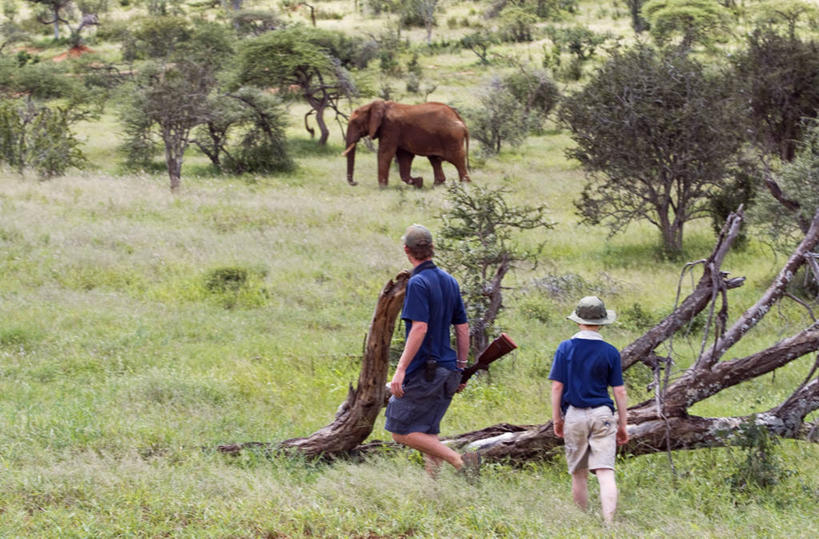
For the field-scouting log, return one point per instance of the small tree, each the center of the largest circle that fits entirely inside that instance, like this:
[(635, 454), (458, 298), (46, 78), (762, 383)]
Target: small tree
[(536, 91), (53, 12), (792, 13), (691, 21), (778, 76), (654, 132), (499, 119), (479, 42), (244, 132), (57, 12), (37, 137), (516, 24), (794, 193), (421, 12), (170, 95), (308, 61), (476, 243)]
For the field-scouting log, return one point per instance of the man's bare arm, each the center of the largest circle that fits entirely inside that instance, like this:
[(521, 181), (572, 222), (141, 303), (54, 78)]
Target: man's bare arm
[(414, 340), (462, 343)]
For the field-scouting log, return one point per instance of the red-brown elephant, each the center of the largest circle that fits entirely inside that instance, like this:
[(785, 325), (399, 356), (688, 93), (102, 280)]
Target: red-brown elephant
[(431, 129)]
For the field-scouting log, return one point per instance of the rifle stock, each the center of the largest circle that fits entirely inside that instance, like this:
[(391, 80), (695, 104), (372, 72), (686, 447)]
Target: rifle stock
[(496, 350)]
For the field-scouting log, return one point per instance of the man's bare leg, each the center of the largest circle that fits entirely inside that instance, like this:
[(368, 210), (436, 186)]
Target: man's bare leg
[(430, 445), (580, 488), (608, 493)]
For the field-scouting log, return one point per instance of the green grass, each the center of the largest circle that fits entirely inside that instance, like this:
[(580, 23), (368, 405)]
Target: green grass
[(122, 366)]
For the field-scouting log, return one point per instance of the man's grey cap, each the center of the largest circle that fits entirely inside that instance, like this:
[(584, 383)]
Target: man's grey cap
[(591, 311), (417, 236)]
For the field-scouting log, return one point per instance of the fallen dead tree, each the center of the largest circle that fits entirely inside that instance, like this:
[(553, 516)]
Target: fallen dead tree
[(659, 424)]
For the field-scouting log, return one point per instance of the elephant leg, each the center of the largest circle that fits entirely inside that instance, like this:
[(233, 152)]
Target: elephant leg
[(384, 159), (463, 173), (435, 161), (405, 168)]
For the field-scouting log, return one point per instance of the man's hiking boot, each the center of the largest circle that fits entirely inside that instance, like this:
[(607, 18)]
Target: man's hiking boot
[(472, 466)]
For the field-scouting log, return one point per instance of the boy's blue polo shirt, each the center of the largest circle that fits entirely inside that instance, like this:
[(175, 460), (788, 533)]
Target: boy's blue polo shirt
[(433, 296), (586, 368)]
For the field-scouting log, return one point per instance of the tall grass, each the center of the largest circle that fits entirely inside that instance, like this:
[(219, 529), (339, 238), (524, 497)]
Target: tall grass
[(124, 362)]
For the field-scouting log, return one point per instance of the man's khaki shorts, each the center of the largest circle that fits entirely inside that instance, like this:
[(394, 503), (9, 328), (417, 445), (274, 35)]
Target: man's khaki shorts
[(590, 435)]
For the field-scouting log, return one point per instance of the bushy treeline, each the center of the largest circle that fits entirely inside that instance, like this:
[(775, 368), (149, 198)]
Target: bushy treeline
[(669, 129)]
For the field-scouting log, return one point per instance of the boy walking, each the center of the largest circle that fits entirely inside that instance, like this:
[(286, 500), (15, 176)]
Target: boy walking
[(583, 414)]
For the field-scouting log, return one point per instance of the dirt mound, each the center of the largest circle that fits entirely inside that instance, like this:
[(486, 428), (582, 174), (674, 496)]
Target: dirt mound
[(73, 52)]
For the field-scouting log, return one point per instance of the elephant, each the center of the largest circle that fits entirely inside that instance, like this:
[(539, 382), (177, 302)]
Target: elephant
[(431, 129)]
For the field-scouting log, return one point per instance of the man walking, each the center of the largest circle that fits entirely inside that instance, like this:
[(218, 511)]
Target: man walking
[(582, 411), (429, 370)]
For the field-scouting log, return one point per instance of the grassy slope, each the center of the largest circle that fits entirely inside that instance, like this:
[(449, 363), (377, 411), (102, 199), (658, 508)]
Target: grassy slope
[(118, 365)]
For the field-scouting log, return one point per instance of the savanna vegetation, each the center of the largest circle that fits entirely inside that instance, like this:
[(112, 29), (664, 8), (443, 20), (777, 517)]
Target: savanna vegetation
[(183, 265)]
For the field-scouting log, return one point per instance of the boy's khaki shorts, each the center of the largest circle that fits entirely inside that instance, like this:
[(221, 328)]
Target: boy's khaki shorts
[(590, 435)]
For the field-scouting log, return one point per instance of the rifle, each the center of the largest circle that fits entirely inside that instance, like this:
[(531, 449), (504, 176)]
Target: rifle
[(496, 350)]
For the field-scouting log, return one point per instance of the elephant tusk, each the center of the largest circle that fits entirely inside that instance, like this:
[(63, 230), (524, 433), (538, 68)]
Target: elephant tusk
[(349, 148)]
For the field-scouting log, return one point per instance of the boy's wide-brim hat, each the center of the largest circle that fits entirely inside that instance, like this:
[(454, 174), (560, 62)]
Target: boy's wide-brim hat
[(591, 311)]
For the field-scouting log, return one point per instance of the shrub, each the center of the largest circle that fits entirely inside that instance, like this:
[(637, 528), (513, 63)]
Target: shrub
[(37, 137), (501, 118), (236, 286), (761, 466)]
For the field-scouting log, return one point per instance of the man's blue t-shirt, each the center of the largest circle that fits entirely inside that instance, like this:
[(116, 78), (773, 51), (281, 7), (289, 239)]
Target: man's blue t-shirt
[(434, 297), (586, 368)]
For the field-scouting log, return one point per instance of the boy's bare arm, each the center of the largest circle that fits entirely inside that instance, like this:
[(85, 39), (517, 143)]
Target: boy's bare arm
[(621, 400), (557, 418)]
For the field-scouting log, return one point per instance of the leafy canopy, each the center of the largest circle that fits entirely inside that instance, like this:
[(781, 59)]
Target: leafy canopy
[(654, 131)]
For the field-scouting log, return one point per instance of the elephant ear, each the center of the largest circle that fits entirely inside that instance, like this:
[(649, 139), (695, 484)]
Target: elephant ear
[(376, 116)]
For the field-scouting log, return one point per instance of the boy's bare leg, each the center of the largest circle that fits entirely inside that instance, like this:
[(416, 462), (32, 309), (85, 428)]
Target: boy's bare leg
[(608, 493), (429, 444), (580, 488)]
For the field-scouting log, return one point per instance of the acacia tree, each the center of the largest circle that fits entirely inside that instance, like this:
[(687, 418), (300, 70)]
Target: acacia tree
[(791, 13), (244, 132), (306, 61), (692, 21), (170, 94), (653, 132)]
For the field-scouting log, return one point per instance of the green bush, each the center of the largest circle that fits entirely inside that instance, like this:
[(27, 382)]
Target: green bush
[(236, 286), (760, 466), (37, 137)]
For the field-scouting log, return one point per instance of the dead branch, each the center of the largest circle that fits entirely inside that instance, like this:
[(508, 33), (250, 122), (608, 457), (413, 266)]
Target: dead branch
[(642, 349)]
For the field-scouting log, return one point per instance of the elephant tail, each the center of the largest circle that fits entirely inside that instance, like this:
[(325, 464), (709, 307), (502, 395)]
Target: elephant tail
[(466, 136)]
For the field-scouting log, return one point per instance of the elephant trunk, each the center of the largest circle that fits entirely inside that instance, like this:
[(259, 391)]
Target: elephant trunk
[(350, 153)]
